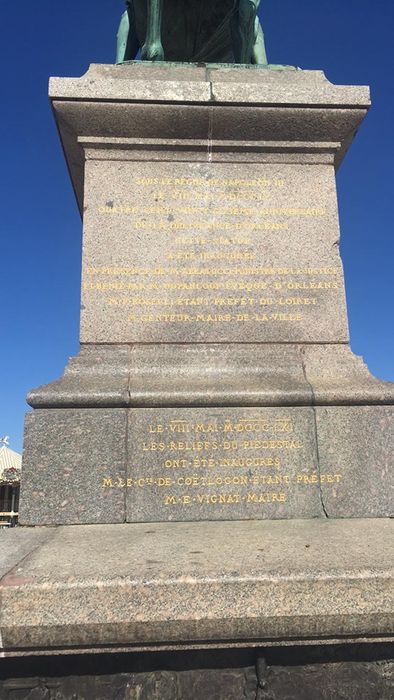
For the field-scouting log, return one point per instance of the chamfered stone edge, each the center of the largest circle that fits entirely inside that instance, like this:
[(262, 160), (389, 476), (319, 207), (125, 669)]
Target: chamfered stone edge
[(265, 581)]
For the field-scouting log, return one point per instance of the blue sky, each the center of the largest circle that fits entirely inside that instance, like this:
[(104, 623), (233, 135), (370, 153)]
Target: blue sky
[(351, 40)]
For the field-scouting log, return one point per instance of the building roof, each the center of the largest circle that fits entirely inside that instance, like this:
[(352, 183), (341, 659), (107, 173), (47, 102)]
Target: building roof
[(10, 465)]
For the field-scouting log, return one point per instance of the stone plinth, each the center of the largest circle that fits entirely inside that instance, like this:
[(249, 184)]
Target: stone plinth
[(210, 210), (215, 380), (215, 388), (196, 585)]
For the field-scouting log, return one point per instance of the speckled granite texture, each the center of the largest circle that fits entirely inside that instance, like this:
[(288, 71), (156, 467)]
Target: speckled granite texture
[(178, 584), (157, 464), (222, 464), (359, 442), (66, 453), (117, 101), (202, 262), (215, 388), (212, 295), (196, 176), (282, 374)]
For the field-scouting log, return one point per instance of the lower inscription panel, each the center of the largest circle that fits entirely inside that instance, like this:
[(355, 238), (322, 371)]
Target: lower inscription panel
[(221, 464)]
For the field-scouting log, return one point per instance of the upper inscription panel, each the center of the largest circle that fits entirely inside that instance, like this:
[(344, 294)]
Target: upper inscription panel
[(211, 252)]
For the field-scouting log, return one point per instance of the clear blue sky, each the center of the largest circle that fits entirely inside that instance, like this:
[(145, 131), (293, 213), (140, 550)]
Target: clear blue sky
[(351, 40)]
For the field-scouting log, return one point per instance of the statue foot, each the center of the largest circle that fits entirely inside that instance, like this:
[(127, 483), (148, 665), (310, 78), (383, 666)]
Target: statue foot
[(152, 52)]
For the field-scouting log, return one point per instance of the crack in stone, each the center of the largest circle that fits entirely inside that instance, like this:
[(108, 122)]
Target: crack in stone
[(210, 135), (51, 533), (127, 429), (210, 83), (313, 406), (210, 118), (126, 452)]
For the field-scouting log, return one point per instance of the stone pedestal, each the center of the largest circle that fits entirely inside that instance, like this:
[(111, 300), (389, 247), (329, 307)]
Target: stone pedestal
[(215, 380), (215, 383), (189, 611)]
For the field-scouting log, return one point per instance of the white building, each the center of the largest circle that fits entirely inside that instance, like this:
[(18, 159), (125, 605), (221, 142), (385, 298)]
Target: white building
[(10, 476)]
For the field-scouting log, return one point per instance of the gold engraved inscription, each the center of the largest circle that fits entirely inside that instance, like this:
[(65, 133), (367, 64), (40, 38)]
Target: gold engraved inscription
[(258, 460), (212, 232)]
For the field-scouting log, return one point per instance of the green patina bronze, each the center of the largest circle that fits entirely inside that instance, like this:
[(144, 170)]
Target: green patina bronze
[(207, 31)]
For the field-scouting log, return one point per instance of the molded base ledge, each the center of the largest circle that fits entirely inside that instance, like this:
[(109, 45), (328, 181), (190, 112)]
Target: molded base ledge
[(214, 374), (182, 585)]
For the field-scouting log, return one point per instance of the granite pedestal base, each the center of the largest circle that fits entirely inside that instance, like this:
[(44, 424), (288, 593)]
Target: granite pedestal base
[(215, 379), (172, 433), (179, 585), (105, 466), (215, 383), (176, 611)]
